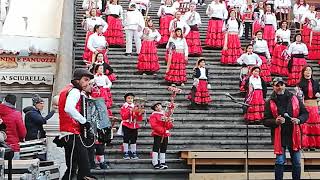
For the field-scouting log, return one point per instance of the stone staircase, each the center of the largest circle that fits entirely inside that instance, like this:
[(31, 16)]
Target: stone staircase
[(220, 127)]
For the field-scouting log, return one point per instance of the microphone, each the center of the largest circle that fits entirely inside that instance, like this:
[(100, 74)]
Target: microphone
[(287, 116)]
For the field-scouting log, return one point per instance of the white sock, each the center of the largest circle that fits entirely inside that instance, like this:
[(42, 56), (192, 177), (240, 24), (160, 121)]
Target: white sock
[(125, 147), (162, 158), (155, 158), (133, 148)]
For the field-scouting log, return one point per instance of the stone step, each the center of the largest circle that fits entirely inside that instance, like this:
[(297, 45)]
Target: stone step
[(144, 163)]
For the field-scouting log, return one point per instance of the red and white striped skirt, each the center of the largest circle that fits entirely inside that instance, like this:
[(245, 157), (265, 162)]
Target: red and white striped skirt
[(200, 94), (215, 36), (269, 35), (295, 71), (148, 57), (279, 66), (177, 72), (114, 33), (255, 111), (194, 43), (164, 24), (233, 52)]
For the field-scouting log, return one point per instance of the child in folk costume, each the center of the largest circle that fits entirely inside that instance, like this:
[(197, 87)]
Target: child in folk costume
[(177, 59), (129, 126), (257, 15), (193, 19), (108, 70), (179, 22), (134, 24), (104, 84), (94, 20), (148, 57), (199, 94), (306, 29), (279, 62), (97, 43), (260, 47), (232, 47), (217, 13), (246, 12), (299, 8), (314, 48), (166, 14), (92, 4), (160, 125), (311, 91), (297, 51), (269, 24), (282, 8), (114, 18), (256, 90), (247, 60)]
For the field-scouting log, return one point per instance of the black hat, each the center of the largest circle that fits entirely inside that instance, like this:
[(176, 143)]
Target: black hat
[(153, 107), (277, 80), (128, 94), (81, 72), (36, 99)]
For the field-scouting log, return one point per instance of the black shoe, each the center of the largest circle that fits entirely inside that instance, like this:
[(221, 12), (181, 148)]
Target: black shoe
[(163, 166), (104, 165), (134, 155), (157, 166), (127, 54)]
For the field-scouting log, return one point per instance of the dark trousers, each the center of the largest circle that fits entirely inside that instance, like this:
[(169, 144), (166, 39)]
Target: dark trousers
[(295, 160), (247, 29), (157, 145), (76, 156), (129, 135), (201, 1), (96, 149)]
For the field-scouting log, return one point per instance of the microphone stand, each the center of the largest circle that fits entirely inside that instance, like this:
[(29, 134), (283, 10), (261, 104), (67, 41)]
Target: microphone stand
[(247, 133)]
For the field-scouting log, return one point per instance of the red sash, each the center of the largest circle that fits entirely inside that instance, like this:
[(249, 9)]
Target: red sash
[(296, 134)]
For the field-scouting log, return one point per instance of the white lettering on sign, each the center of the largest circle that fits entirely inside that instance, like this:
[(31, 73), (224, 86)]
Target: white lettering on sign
[(27, 78)]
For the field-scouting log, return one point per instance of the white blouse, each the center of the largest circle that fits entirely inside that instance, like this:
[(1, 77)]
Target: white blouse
[(298, 11), (270, 18), (179, 24), (115, 9), (102, 81), (180, 43), (191, 21), (164, 9), (236, 3), (133, 20), (317, 28), (298, 48), (308, 15), (87, 3), (217, 10), (278, 4), (233, 26), (203, 73), (92, 21), (255, 82), (96, 42), (261, 46), (249, 59), (284, 34), (152, 35)]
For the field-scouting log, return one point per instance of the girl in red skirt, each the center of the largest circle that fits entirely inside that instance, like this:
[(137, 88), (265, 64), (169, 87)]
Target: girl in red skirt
[(177, 58), (86, 52), (199, 94), (256, 92), (260, 47), (269, 25), (148, 58), (193, 19), (114, 17), (314, 48), (97, 43), (279, 62), (309, 15), (166, 14), (217, 13), (104, 85), (232, 48), (107, 68), (311, 91), (298, 51)]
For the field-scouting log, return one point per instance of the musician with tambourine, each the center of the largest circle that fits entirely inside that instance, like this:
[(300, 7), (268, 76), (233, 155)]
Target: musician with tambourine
[(130, 115), (70, 120), (193, 19), (160, 124), (279, 63), (260, 47), (314, 45)]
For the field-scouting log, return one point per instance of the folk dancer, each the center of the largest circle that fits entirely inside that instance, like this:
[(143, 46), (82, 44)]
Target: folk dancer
[(306, 28), (97, 43), (299, 9), (314, 46), (166, 13), (269, 24)]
